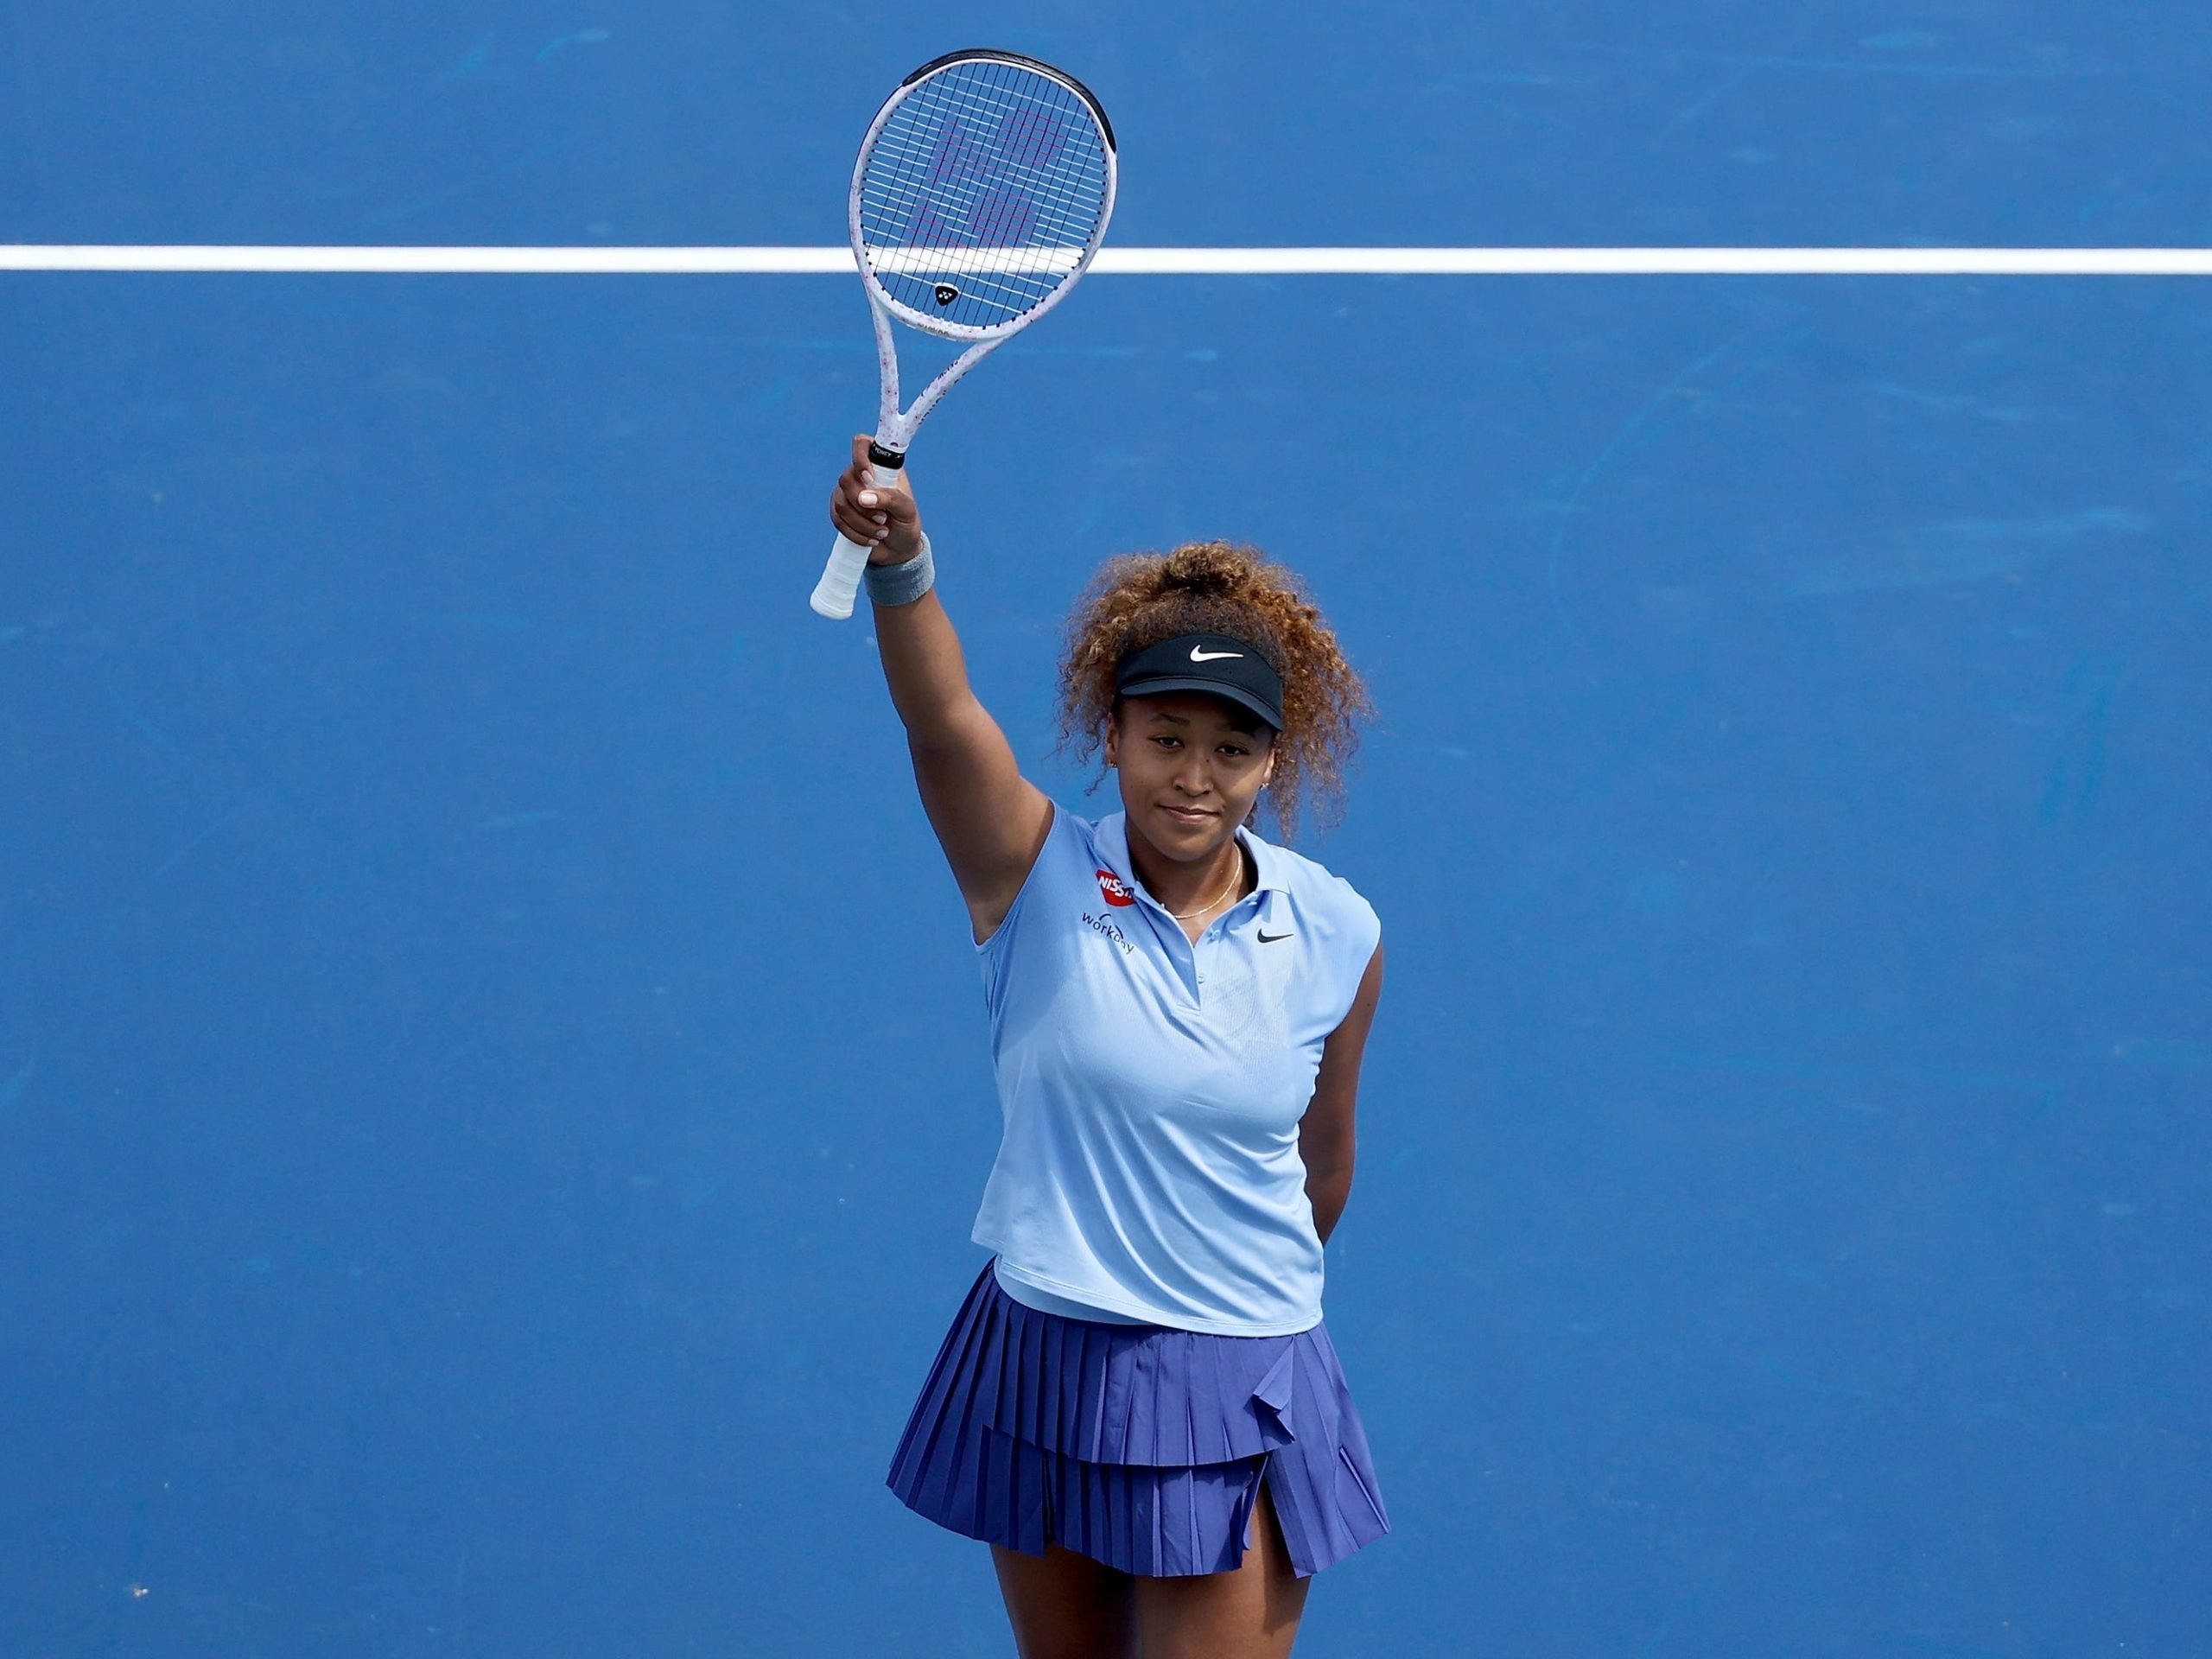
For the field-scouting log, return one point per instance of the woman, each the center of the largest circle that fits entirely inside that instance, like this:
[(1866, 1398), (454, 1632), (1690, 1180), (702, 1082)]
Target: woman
[(1137, 1404)]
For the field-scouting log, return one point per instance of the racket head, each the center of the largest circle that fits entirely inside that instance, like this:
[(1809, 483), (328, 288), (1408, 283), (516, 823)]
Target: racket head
[(982, 191)]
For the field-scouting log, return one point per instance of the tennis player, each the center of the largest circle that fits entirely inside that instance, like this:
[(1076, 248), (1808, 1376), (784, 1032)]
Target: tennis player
[(1137, 1404)]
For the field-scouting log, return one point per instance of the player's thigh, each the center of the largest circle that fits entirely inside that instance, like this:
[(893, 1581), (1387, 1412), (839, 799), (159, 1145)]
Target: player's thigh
[(1250, 1612), (1066, 1605)]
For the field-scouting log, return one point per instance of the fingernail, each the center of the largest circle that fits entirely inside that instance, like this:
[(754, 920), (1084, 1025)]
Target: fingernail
[(868, 497)]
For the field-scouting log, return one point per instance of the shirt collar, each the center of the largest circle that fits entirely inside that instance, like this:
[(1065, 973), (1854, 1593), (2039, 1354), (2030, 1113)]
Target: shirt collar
[(1112, 835)]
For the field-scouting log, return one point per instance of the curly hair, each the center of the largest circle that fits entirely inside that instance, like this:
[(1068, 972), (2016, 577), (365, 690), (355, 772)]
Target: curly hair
[(1139, 599)]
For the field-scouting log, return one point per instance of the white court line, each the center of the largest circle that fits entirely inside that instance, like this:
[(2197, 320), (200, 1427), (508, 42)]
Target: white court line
[(1206, 261)]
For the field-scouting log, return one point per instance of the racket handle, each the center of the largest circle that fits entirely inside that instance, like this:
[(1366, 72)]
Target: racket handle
[(841, 580), (840, 577)]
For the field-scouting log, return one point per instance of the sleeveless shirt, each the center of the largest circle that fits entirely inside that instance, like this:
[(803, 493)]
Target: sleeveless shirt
[(1151, 1089)]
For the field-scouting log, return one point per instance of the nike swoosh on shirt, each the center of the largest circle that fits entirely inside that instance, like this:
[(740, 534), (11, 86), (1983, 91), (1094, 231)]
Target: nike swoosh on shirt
[(1198, 656), (1267, 938)]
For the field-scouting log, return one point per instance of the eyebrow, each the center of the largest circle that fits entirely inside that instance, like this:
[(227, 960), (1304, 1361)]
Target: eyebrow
[(1160, 717)]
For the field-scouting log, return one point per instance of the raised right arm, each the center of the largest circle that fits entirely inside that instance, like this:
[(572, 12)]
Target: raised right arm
[(990, 820)]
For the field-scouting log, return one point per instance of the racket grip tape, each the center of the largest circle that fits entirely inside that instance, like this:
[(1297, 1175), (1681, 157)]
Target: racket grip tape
[(834, 595), (841, 580)]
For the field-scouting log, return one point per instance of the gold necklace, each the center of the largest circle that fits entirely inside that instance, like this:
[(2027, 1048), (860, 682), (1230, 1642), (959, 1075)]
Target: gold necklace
[(1234, 880)]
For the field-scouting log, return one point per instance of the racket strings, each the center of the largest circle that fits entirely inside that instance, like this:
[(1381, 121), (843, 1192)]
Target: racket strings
[(956, 195), (982, 192), (945, 188), (1017, 126)]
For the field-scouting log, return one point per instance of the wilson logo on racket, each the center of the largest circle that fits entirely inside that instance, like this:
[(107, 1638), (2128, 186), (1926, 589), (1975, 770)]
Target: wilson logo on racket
[(1115, 890)]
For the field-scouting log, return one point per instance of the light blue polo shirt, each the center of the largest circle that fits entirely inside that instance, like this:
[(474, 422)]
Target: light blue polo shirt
[(1152, 1088)]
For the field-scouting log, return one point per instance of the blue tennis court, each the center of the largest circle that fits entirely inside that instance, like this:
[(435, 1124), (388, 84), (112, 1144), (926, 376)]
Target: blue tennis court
[(492, 1080)]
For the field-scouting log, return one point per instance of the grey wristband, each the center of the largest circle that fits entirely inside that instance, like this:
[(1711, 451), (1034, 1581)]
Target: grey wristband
[(902, 584)]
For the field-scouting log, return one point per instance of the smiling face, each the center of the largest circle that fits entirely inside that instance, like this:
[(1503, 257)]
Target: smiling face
[(1190, 766)]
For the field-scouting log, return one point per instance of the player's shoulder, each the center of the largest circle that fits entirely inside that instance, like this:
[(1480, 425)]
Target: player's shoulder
[(1072, 830), (1069, 861), (1327, 899), (1286, 867), (1075, 844)]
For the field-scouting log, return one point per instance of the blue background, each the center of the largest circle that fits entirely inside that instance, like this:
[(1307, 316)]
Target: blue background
[(493, 1090)]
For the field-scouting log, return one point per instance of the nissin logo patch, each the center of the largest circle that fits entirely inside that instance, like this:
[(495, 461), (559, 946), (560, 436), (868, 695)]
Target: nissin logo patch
[(1115, 889)]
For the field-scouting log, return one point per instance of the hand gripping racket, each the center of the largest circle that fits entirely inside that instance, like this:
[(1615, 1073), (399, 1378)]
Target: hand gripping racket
[(982, 191)]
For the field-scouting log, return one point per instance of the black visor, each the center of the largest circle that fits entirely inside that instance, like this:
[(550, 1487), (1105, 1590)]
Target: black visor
[(1217, 663)]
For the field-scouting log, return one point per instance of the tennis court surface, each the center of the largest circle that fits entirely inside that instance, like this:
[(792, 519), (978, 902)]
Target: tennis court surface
[(493, 1090)]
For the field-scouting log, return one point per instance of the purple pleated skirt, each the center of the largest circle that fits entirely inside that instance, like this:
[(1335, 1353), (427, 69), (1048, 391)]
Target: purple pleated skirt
[(1139, 1446)]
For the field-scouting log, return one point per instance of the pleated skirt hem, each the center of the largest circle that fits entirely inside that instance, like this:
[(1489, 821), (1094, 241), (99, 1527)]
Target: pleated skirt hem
[(1141, 1446)]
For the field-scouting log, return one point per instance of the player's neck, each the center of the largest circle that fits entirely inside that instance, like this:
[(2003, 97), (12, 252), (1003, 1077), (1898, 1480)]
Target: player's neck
[(1177, 887)]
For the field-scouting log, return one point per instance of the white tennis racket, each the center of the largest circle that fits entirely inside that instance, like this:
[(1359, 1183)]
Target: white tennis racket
[(982, 191)]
